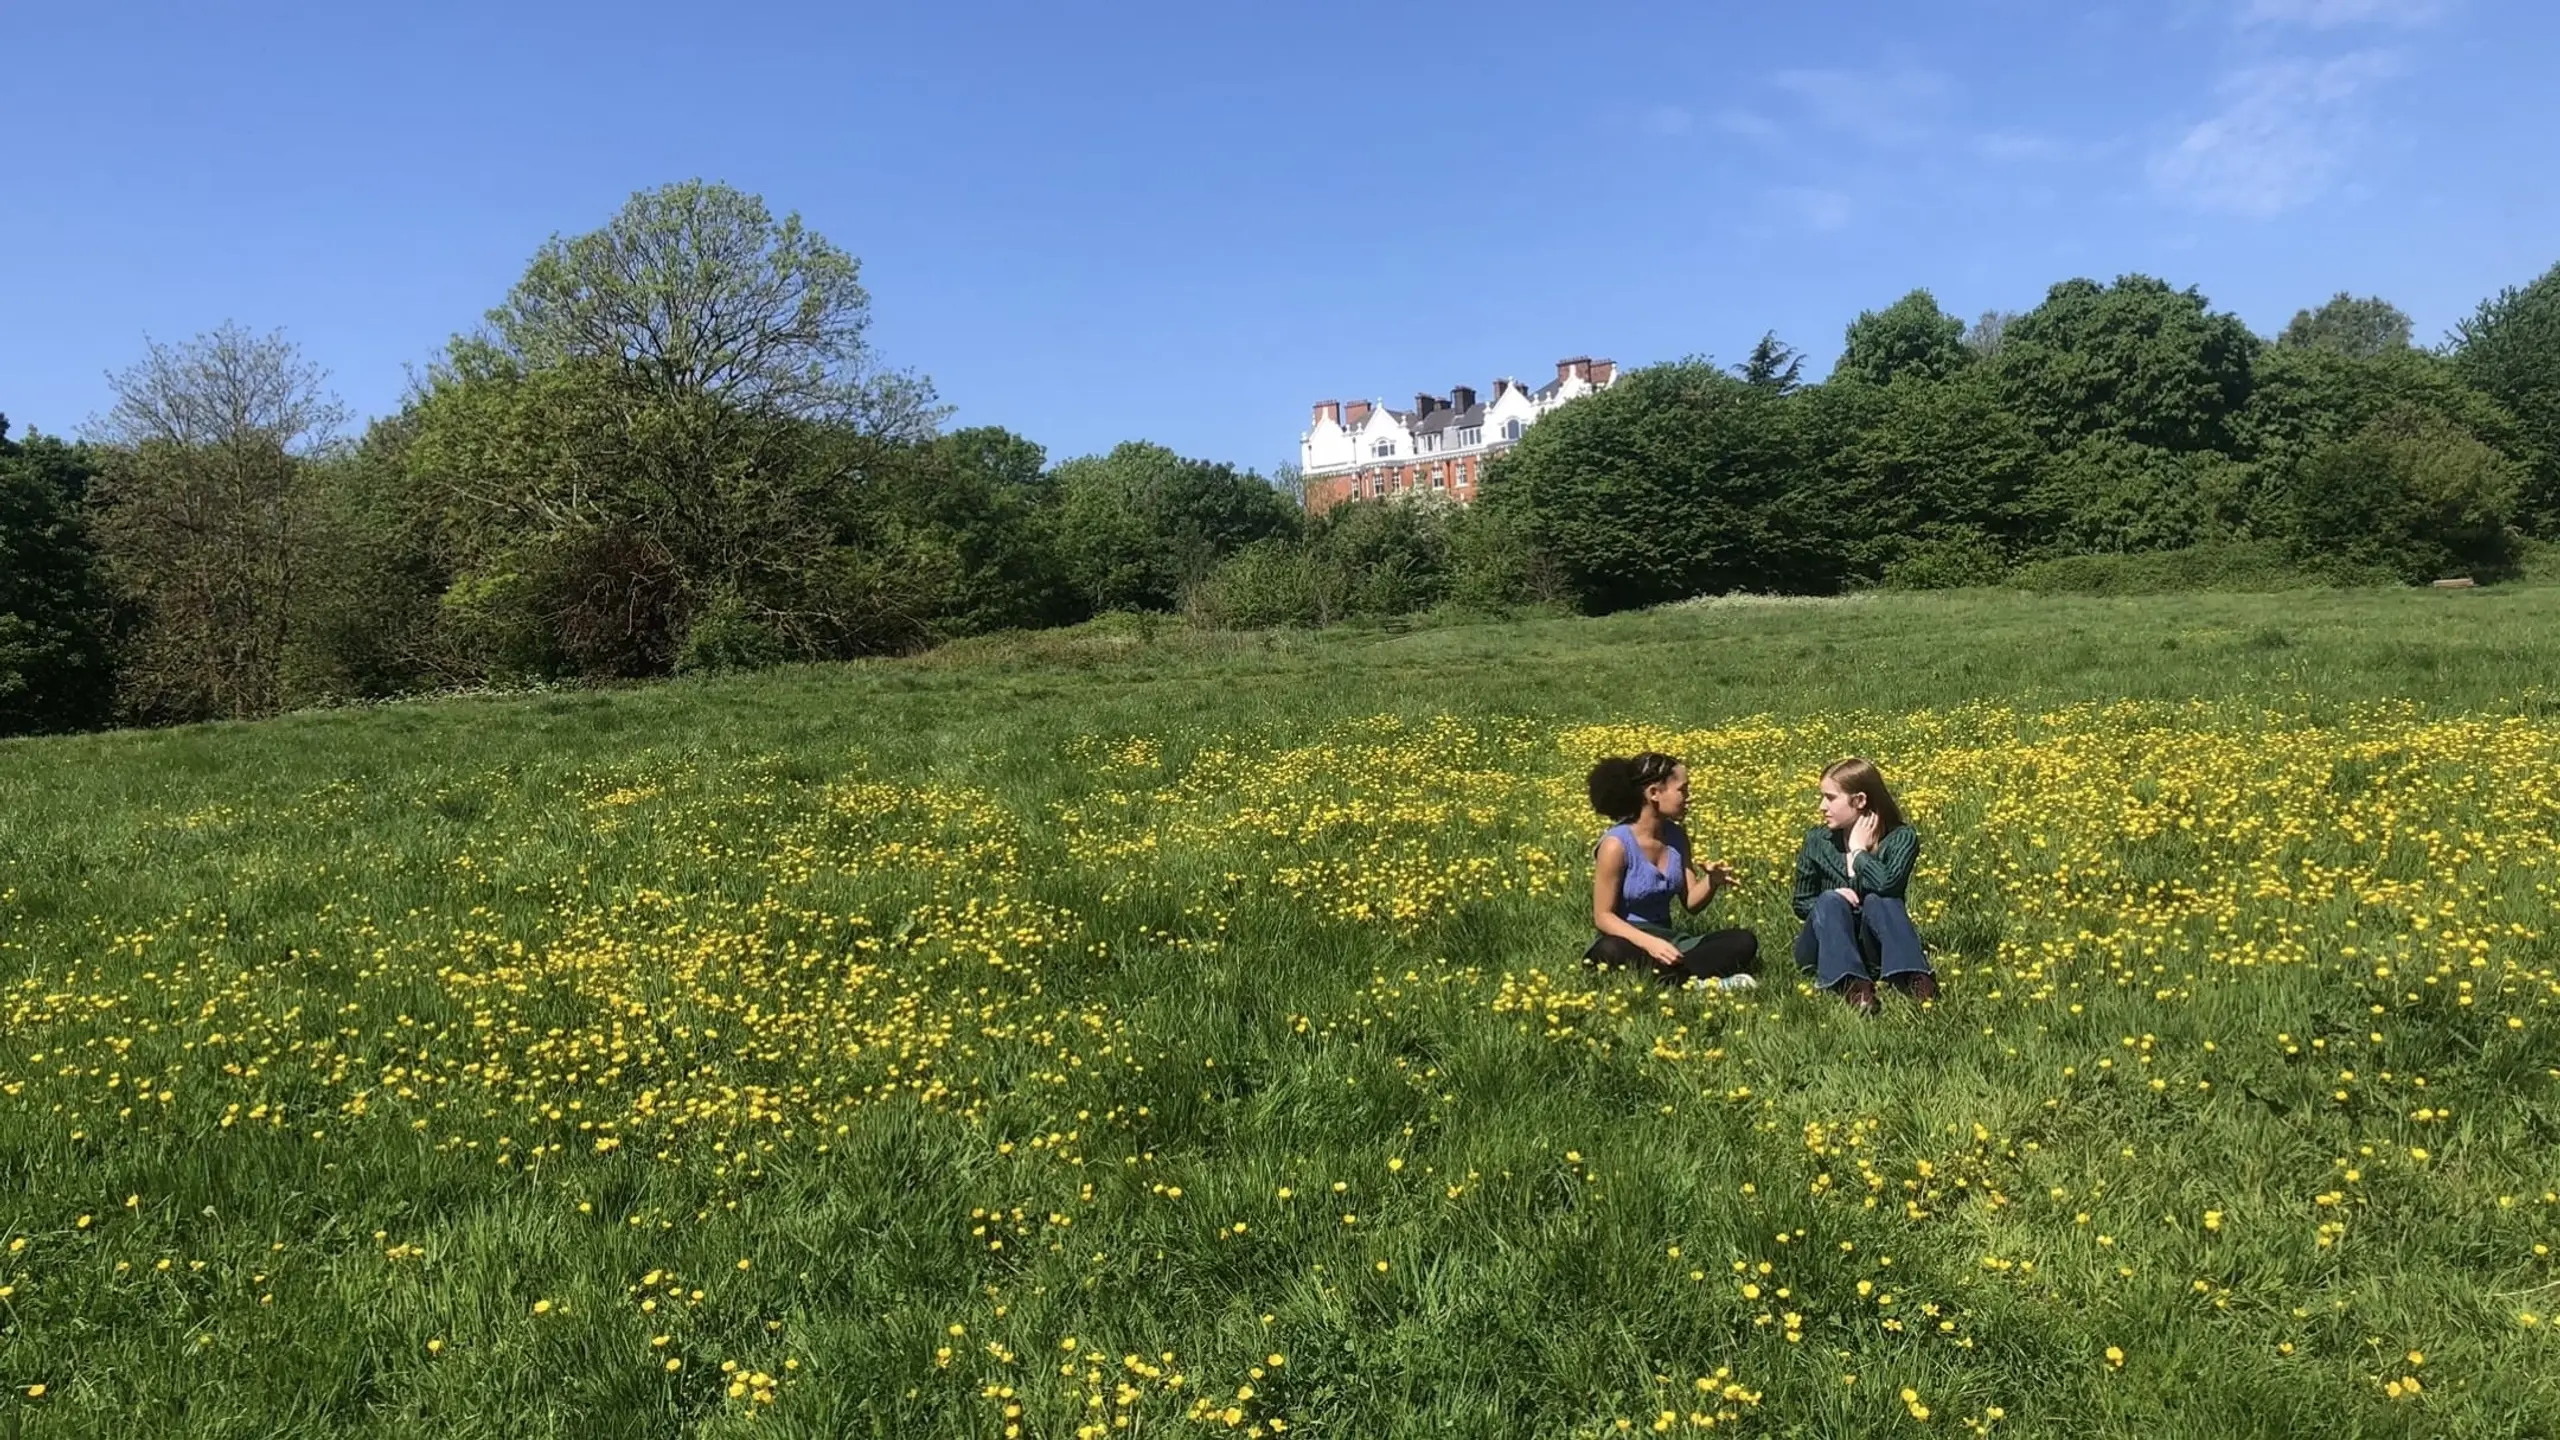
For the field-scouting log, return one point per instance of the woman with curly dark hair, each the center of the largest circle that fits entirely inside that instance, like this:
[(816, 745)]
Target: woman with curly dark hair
[(1642, 864)]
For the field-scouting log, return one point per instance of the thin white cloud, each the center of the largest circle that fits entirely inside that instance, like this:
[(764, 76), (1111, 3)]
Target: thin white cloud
[(2337, 14), (1813, 207), (2015, 146), (2285, 131), (1746, 124), (1669, 120), (1884, 107)]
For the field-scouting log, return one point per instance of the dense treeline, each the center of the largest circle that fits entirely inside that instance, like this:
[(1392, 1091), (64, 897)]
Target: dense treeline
[(672, 448), (2124, 420)]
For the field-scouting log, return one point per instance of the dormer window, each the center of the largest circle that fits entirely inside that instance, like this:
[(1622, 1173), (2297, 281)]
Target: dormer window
[(1384, 449), (1511, 428), (1472, 435)]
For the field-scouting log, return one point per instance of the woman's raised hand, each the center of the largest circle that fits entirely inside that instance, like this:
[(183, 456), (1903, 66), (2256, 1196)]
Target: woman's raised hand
[(1862, 836)]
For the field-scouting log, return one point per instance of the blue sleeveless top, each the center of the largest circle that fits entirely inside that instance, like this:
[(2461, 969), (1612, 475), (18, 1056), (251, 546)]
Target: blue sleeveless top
[(1644, 894)]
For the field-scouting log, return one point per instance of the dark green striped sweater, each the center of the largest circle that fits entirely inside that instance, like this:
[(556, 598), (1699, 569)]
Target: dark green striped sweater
[(1823, 864)]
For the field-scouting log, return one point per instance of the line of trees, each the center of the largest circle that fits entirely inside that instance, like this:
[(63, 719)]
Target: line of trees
[(2113, 420), (673, 448)]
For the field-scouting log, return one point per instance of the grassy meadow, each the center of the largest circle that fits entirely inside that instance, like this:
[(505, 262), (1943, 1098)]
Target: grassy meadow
[(1117, 1033)]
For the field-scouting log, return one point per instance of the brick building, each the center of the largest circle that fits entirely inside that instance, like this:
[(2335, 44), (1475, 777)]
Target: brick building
[(1361, 450)]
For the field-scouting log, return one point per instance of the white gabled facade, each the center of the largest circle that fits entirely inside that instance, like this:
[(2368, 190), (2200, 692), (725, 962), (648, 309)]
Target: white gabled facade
[(1361, 450)]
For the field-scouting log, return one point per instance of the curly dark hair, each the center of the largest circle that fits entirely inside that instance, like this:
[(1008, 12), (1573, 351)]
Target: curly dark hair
[(1617, 784)]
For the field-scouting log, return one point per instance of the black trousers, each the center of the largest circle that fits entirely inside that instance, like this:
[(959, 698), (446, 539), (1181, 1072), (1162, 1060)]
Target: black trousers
[(1708, 957)]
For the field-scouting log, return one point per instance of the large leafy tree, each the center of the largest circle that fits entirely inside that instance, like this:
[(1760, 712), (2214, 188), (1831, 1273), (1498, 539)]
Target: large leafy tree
[(2510, 349), (2361, 327), (2135, 361), (1136, 526), (54, 660), (207, 512), (982, 497), (1912, 336), (1930, 467), (2411, 495), (1679, 480), (2304, 396), (676, 415)]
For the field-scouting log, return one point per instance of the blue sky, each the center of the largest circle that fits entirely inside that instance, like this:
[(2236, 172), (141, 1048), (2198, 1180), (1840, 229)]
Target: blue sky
[(1186, 222)]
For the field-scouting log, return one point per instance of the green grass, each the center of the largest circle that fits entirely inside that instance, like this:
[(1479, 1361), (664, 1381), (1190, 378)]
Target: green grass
[(466, 1007)]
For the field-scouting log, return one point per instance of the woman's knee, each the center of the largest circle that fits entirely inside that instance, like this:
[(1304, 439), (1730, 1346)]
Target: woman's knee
[(1741, 949), (1832, 902), (1613, 952)]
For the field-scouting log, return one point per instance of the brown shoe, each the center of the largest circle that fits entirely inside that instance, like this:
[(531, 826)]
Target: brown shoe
[(1860, 995), (1921, 988)]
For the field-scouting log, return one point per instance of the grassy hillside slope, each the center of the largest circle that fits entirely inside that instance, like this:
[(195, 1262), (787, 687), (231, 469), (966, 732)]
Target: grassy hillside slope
[(1096, 1035)]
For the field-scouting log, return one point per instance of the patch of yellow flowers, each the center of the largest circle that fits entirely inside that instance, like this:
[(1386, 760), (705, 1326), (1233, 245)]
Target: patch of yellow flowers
[(889, 944)]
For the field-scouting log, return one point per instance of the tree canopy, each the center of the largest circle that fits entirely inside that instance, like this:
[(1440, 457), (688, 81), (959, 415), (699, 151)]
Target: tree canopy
[(2135, 361), (1912, 336), (2359, 328), (671, 446), (54, 658), (2510, 350), (1772, 365), (1138, 525)]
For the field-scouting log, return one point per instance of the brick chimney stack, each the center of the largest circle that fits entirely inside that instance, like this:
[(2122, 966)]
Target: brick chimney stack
[(1577, 367), (1603, 371), (1357, 412), (1462, 397), (1425, 404), (1328, 410)]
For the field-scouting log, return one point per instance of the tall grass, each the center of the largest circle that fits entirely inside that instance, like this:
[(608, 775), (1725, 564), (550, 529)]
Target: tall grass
[(1050, 1034)]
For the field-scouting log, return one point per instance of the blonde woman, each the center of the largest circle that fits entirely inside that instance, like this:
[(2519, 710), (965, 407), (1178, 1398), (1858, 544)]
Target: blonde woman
[(1852, 879)]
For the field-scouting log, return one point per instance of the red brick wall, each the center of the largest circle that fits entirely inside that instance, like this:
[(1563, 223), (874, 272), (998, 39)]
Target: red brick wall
[(1404, 477)]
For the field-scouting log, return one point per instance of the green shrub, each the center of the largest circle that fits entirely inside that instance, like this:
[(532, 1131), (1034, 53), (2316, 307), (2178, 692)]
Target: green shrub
[(729, 635), (2225, 565), (1494, 567), (1954, 561), (1372, 560), (1264, 586), (2411, 494)]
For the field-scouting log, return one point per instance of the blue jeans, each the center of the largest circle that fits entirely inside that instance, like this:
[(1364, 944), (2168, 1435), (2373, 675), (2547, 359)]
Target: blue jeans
[(1841, 941)]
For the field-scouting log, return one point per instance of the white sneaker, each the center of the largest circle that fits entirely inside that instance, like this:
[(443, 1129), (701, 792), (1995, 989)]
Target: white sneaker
[(1741, 982)]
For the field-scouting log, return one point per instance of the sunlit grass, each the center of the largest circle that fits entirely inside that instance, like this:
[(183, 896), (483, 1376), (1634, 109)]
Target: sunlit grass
[(1186, 1039)]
